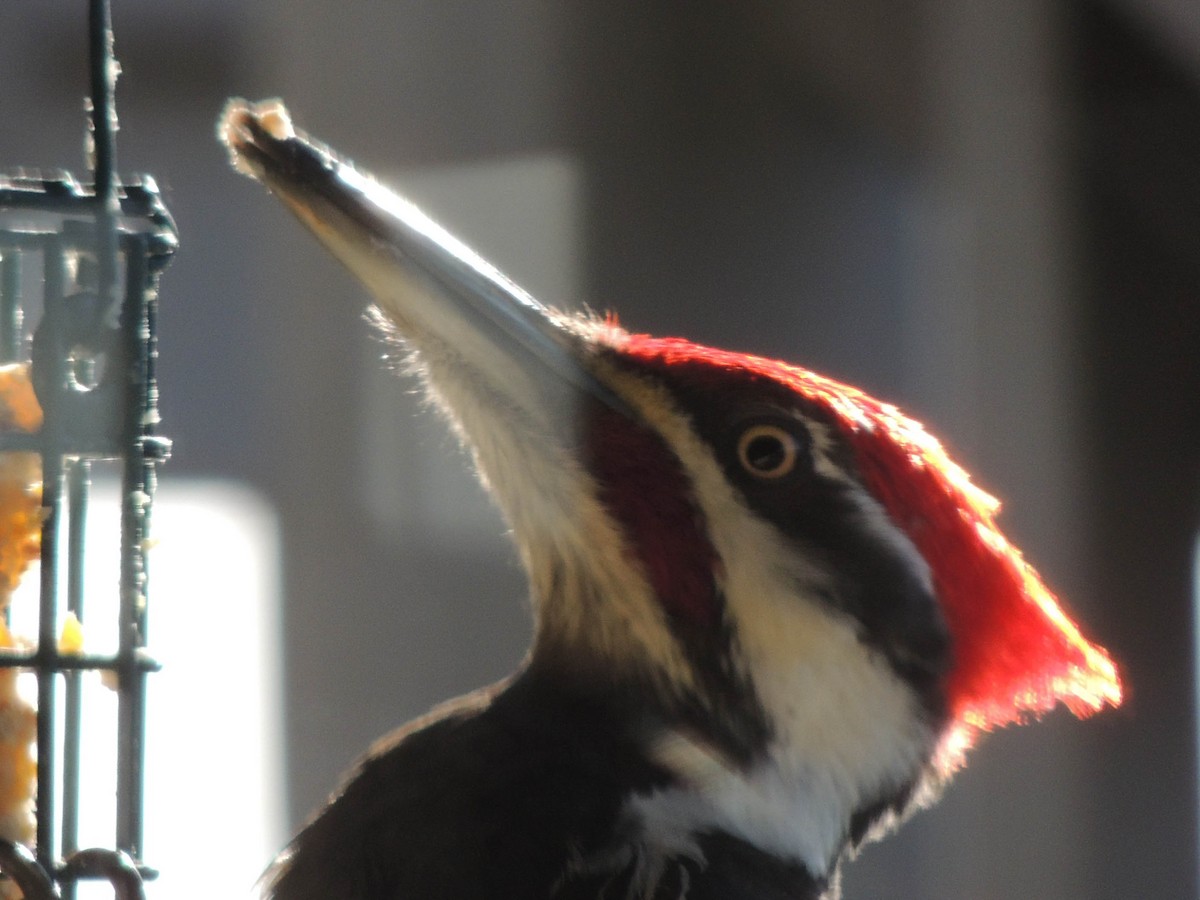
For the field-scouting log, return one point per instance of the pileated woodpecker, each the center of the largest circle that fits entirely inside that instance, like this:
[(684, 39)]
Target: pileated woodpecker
[(771, 613)]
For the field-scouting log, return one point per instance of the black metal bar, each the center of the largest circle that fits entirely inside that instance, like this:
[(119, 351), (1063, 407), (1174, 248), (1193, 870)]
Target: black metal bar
[(54, 266), (131, 707), (20, 865), (53, 194), (53, 661), (138, 484), (103, 82), (78, 488), (94, 864), (115, 867), (10, 305), (149, 446), (103, 70)]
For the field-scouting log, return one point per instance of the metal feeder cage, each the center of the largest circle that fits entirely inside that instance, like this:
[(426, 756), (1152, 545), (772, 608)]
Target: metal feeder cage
[(79, 270)]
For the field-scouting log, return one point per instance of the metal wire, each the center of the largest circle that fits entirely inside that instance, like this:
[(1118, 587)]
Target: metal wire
[(101, 249)]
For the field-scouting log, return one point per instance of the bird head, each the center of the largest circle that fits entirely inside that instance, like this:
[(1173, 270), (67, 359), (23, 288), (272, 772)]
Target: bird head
[(809, 600)]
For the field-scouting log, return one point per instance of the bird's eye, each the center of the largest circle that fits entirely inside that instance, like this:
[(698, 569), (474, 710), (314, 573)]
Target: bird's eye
[(768, 451)]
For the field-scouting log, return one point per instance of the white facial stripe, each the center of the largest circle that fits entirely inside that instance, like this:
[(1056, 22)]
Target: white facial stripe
[(847, 730)]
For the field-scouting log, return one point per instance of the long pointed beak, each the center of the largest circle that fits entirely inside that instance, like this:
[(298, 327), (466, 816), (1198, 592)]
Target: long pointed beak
[(442, 297)]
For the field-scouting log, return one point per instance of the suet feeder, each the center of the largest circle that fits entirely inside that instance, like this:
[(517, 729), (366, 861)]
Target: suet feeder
[(79, 267)]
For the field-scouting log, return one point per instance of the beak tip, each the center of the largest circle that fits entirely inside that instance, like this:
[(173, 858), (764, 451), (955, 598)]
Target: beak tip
[(247, 129)]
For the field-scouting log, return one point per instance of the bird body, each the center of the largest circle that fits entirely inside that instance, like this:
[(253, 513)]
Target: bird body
[(771, 614), (534, 781)]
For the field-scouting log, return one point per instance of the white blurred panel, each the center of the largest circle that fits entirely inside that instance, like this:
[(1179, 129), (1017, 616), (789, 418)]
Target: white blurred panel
[(214, 804)]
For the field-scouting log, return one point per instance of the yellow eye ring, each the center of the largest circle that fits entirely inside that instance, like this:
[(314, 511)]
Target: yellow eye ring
[(768, 451)]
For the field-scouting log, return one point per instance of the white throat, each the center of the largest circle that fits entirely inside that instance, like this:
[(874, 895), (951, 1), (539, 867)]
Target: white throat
[(848, 733)]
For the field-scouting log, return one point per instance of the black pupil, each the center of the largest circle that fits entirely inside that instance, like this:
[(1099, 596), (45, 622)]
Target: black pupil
[(766, 453)]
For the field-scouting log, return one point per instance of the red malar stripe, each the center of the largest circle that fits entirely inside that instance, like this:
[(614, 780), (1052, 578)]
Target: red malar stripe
[(647, 491)]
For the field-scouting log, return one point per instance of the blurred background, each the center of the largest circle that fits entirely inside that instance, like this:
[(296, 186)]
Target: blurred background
[(986, 212)]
